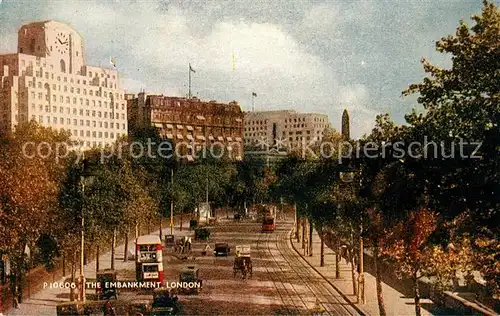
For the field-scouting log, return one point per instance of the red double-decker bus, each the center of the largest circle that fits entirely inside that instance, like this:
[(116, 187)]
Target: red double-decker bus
[(268, 224), (149, 259)]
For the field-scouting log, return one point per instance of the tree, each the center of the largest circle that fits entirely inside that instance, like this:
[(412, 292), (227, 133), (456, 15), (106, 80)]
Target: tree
[(28, 194), (462, 103)]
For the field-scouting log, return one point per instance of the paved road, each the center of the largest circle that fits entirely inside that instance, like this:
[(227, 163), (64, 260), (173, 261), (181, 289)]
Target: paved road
[(282, 283)]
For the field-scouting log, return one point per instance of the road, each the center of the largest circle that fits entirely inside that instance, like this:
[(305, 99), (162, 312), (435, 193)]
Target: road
[(282, 283)]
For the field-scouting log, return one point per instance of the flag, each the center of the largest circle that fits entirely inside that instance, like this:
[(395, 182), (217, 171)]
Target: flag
[(254, 94), (191, 68), (112, 61)]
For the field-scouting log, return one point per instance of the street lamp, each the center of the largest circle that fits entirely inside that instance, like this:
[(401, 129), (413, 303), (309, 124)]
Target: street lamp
[(347, 175), (86, 178)]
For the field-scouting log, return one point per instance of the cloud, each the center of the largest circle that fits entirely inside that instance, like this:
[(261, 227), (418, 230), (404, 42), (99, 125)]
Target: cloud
[(297, 55)]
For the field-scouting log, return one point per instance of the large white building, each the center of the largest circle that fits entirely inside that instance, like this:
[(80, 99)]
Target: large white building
[(48, 80), (285, 128)]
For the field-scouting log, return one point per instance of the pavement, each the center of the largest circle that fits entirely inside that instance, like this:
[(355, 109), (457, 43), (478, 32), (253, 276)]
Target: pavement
[(396, 303), (45, 301)]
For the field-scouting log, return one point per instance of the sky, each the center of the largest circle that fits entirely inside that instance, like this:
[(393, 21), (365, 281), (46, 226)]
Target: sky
[(309, 56)]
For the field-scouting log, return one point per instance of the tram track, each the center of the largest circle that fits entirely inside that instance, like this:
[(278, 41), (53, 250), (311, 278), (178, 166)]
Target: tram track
[(327, 296), (288, 302)]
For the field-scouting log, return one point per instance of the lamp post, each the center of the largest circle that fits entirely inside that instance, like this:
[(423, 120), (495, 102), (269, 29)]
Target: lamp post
[(86, 178), (347, 175)]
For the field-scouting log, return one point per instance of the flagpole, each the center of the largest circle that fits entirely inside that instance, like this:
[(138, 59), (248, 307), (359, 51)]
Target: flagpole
[(253, 106), (189, 71)]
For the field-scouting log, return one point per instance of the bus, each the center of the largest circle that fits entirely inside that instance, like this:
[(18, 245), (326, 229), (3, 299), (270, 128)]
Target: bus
[(268, 224), (149, 259)]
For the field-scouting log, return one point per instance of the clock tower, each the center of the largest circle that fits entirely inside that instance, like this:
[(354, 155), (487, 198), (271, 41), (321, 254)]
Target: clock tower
[(55, 41)]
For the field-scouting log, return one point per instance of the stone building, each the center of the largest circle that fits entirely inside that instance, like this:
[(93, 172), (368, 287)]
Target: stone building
[(49, 81), (196, 124), (285, 129)]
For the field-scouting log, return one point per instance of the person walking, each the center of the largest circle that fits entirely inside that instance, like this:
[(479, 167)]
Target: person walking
[(206, 250)]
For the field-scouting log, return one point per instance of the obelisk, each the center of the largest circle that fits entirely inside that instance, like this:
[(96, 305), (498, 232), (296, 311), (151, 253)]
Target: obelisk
[(345, 125)]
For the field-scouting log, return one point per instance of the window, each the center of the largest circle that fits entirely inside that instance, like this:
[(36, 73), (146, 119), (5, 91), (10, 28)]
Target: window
[(81, 133), (63, 66), (81, 122), (61, 99), (87, 123), (74, 111), (61, 110), (93, 124), (72, 90), (81, 111), (99, 114), (94, 134), (88, 133), (91, 92), (87, 113), (39, 96), (65, 89), (54, 120), (67, 99), (68, 121), (54, 98), (100, 134), (75, 122), (84, 91), (74, 100), (87, 102), (93, 113)]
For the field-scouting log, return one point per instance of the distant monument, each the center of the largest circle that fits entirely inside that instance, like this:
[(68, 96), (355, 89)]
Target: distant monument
[(345, 125)]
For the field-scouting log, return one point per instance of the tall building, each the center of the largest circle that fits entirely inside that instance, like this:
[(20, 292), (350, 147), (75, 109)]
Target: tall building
[(284, 129), (49, 81), (192, 122), (346, 132)]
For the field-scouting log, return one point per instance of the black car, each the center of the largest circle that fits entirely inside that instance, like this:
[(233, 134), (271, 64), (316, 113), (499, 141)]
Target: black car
[(221, 249)]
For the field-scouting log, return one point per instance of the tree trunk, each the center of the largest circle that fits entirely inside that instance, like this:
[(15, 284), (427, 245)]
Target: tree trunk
[(378, 279), (297, 224), (73, 272), (181, 222), (64, 263), (125, 251), (310, 238), (337, 259), (97, 255), (136, 230), (416, 290), (302, 222), (353, 272), (113, 245), (161, 228), (322, 254)]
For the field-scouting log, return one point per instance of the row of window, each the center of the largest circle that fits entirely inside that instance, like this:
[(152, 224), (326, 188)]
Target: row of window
[(41, 85), (23, 63), (81, 112), (67, 121), (68, 100)]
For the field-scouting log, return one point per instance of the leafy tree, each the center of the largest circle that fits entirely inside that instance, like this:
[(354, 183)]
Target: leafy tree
[(462, 103)]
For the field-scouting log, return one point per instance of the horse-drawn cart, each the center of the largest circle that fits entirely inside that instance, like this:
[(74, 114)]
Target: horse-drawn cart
[(242, 261)]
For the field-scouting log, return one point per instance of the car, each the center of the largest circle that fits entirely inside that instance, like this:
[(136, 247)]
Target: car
[(221, 249)]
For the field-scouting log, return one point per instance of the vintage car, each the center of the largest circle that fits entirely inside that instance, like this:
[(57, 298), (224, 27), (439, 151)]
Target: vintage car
[(165, 302), (169, 241), (242, 261), (221, 249), (189, 275), (105, 291)]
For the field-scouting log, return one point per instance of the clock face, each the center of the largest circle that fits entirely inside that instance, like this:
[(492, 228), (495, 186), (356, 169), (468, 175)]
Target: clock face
[(62, 43)]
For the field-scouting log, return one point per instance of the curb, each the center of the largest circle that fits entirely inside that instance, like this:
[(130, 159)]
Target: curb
[(353, 305)]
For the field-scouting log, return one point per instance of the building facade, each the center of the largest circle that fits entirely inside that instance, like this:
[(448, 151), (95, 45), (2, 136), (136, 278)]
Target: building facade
[(284, 130), (196, 124), (49, 81)]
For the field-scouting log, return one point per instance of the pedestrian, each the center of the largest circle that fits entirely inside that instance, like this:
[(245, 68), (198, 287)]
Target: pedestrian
[(206, 250), (189, 243)]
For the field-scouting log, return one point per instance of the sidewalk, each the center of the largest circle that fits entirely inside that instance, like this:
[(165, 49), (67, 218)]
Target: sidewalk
[(395, 302), (45, 301)]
